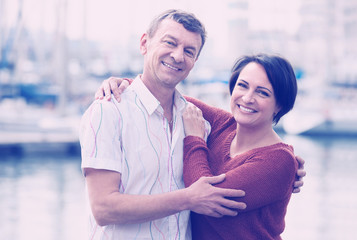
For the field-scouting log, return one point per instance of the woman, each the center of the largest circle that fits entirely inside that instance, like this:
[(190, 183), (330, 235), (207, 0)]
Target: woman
[(244, 146)]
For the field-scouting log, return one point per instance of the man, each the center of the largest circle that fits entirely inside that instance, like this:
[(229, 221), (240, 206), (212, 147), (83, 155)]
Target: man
[(132, 151)]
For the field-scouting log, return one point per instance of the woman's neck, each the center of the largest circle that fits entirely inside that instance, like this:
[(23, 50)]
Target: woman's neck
[(252, 137)]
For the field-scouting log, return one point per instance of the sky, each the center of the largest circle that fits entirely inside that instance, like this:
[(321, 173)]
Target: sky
[(113, 20)]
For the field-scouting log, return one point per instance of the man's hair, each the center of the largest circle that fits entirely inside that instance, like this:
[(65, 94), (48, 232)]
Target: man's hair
[(280, 74), (188, 21)]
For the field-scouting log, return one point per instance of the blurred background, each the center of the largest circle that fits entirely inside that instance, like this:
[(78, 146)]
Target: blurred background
[(55, 53)]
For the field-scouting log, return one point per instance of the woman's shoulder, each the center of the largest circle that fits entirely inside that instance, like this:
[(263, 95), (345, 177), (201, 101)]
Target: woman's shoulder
[(276, 152), (282, 154), (280, 148)]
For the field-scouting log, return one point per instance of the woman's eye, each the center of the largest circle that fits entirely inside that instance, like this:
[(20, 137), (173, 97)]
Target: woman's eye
[(263, 93), (242, 85)]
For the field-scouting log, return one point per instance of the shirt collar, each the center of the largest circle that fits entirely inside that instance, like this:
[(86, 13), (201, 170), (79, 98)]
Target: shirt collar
[(150, 102)]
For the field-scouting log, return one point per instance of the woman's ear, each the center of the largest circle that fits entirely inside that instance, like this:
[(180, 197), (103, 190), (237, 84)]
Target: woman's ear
[(277, 110)]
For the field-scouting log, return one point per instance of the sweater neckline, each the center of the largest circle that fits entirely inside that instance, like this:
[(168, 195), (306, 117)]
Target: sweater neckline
[(230, 137)]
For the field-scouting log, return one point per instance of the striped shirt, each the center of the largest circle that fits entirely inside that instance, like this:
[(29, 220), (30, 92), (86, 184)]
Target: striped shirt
[(133, 138)]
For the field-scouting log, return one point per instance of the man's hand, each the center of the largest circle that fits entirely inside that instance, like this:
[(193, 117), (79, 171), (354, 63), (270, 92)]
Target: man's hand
[(211, 201), (112, 85), (301, 173)]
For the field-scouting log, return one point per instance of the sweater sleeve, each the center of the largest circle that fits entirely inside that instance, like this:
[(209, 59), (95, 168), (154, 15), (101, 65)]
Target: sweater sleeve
[(266, 178), (195, 160)]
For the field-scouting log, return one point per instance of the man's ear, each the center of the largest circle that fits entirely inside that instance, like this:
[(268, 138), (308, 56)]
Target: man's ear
[(143, 43)]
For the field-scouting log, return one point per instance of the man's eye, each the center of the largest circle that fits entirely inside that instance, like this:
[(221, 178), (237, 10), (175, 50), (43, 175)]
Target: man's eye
[(170, 43), (190, 53)]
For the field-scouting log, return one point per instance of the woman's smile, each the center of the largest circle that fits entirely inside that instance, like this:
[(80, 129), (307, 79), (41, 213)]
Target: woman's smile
[(245, 109)]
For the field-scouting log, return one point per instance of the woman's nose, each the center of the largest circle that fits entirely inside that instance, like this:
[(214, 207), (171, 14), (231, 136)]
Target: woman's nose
[(248, 97)]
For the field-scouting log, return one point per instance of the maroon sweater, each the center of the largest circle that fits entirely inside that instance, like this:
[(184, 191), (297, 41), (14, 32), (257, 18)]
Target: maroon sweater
[(266, 174)]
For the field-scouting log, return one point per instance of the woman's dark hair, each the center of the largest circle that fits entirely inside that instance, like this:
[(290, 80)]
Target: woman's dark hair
[(280, 74), (188, 21)]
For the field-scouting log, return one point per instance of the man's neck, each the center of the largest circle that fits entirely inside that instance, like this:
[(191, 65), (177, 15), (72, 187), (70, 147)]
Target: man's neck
[(164, 95), (166, 98)]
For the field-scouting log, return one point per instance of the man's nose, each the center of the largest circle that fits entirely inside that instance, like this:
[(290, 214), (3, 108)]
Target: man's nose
[(178, 54)]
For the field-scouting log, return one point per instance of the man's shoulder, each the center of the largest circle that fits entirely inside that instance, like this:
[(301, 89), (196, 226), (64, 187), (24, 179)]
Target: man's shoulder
[(103, 107)]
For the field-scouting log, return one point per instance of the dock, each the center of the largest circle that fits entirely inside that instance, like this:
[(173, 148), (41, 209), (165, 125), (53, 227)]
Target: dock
[(38, 142)]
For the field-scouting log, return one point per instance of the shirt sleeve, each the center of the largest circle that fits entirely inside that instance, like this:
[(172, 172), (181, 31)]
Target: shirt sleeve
[(99, 137)]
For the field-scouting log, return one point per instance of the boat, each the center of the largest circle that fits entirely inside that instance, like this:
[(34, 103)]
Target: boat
[(332, 112)]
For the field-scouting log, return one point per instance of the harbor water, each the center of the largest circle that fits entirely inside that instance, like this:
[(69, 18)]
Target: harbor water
[(42, 195)]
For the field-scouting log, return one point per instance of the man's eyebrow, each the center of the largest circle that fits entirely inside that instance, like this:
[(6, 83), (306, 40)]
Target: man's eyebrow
[(169, 36), (175, 39)]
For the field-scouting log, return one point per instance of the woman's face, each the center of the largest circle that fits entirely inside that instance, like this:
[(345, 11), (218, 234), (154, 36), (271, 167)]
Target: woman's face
[(253, 102)]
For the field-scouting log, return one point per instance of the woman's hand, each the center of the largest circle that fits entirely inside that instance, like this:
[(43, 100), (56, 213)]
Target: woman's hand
[(194, 122), (112, 85)]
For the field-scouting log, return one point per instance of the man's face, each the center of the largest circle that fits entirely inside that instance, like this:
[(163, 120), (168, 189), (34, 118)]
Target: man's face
[(170, 54)]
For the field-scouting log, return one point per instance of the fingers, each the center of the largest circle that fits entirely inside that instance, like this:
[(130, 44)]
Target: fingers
[(298, 184), (300, 161), (112, 85), (104, 90), (109, 85), (231, 192), (119, 90), (99, 94), (214, 201), (227, 208), (301, 173), (225, 192), (296, 190), (215, 179), (192, 110), (193, 121), (125, 83), (233, 204), (221, 211)]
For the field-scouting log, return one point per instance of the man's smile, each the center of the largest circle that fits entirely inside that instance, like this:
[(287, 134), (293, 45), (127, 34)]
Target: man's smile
[(171, 67)]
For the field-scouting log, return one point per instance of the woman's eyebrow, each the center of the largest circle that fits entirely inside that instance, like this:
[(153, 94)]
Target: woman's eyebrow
[(258, 86), (266, 89)]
